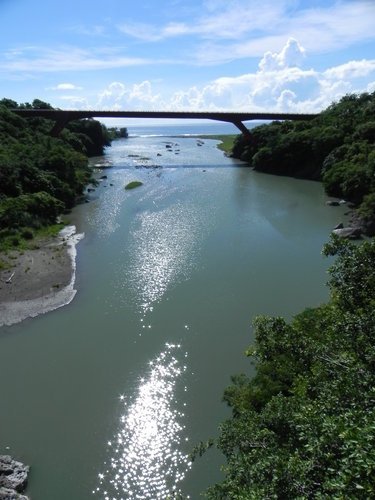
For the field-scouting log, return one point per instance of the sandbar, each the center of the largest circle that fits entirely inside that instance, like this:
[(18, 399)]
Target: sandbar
[(38, 280)]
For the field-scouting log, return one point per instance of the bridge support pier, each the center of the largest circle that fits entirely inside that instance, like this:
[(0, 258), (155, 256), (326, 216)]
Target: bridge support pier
[(245, 131), (58, 127)]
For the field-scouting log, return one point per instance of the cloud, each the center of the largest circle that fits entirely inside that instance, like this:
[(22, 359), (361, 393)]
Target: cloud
[(95, 30), (75, 102), (351, 69), (286, 100), (235, 29), (141, 31), (279, 84), (67, 58), (219, 32), (65, 86), (291, 55), (215, 20), (137, 96)]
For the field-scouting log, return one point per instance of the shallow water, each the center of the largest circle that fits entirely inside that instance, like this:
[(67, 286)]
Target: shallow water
[(107, 396)]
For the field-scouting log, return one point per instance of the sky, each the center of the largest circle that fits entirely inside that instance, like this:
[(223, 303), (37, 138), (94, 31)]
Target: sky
[(251, 55)]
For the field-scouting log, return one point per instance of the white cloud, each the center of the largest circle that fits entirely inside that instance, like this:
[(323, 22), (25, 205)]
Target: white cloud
[(220, 32), (96, 30), (75, 102), (229, 20), (141, 31), (351, 69), (137, 96), (279, 84), (224, 31), (286, 101), (291, 55), (40, 59), (65, 86)]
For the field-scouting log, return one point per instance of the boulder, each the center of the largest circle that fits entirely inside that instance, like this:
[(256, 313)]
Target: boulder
[(13, 475), (339, 226), (8, 494), (352, 233)]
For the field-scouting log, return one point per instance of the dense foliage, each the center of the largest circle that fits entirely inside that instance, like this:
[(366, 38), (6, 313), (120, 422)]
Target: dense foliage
[(337, 147), (304, 425), (41, 176)]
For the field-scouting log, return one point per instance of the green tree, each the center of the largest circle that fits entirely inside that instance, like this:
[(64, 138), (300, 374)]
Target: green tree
[(40, 176), (304, 425)]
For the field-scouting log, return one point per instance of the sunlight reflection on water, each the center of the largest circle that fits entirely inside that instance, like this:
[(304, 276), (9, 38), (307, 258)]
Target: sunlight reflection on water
[(147, 461), (104, 216), (162, 251)]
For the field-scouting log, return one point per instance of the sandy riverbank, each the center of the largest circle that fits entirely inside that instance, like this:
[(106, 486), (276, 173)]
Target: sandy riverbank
[(39, 280)]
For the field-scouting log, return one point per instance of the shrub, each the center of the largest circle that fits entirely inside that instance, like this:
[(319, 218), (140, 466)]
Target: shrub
[(27, 234), (133, 184)]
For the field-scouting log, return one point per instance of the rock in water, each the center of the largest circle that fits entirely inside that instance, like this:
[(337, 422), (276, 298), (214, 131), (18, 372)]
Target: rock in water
[(7, 494), (13, 478), (352, 233)]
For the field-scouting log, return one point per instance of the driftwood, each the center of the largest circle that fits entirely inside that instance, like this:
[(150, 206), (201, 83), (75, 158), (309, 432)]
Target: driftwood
[(9, 280)]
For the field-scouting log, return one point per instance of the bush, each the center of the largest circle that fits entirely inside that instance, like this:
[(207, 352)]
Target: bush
[(27, 210), (27, 234), (133, 184)]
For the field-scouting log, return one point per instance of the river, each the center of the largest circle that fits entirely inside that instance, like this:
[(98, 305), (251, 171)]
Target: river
[(106, 397)]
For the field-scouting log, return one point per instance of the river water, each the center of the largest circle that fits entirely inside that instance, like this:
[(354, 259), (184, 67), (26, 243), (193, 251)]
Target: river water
[(106, 397)]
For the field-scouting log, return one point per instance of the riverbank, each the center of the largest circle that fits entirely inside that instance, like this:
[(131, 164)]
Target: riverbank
[(226, 141), (38, 280)]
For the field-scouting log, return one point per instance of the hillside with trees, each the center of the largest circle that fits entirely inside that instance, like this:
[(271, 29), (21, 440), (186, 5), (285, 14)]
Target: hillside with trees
[(337, 148), (304, 425), (41, 176)]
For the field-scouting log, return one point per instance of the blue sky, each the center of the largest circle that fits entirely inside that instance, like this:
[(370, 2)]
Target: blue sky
[(275, 55)]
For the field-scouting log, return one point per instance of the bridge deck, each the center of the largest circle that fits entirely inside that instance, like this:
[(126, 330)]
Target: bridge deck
[(62, 117)]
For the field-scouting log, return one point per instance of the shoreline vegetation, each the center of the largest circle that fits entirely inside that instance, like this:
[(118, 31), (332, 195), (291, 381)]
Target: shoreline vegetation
[(304, 425), (226, 143), (41, 177), (336, 148)]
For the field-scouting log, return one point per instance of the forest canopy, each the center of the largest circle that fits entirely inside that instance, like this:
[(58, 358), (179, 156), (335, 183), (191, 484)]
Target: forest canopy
[(42, 176)]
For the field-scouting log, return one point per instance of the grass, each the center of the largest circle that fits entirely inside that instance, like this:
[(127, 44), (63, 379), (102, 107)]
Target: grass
[(4, 265), (226, 143), (26, 238), (9, 242), (50, 231), (133, 184)]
